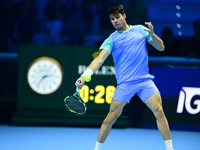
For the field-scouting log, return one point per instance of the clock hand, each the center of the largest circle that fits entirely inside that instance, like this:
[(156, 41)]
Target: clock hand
[(45, 76), (49, 75), (41, 80)]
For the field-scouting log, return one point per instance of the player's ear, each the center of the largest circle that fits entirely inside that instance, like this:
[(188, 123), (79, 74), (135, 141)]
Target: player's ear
[(124, 15)]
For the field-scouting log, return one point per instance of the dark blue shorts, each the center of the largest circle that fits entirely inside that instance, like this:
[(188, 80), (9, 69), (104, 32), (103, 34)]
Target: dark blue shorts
[(125, 91)]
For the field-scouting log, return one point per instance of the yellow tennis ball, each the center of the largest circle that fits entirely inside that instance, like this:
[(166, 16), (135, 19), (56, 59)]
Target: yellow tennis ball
[(87, 78)]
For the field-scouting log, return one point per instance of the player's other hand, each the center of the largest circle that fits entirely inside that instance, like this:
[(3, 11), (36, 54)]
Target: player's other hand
[(150, 26), (80, 84)]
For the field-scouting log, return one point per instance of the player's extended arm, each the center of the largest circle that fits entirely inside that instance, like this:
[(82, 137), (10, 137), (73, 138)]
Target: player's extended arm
[(156, 41), (94, 65)]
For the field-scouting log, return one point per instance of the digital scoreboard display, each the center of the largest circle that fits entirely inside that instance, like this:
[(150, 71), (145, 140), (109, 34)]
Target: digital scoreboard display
[(100, 94)]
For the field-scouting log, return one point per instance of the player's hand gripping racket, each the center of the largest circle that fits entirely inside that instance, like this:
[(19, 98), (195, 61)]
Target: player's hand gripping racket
[(75, 104)]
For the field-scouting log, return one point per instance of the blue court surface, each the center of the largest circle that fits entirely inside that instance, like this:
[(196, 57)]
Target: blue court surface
[(74, 138)]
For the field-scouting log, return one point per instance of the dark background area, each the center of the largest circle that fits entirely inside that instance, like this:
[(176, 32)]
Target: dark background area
[(85, 22)]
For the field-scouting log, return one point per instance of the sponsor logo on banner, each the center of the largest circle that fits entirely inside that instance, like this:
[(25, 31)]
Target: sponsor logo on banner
[(190, 97), (104, 70), (95, 54)]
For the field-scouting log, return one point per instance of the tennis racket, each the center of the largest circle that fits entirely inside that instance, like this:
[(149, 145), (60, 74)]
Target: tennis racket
[(75, 104)]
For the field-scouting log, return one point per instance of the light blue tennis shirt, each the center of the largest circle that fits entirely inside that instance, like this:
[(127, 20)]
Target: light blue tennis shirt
[(129, 53)]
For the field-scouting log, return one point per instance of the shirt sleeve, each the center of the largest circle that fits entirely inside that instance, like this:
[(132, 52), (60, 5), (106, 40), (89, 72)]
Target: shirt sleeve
[(149, 38), (107, 44)]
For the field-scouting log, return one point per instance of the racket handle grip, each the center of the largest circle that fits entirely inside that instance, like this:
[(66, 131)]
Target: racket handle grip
[(77, 89)]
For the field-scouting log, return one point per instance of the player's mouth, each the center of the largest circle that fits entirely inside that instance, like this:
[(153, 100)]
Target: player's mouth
[(116, 25)]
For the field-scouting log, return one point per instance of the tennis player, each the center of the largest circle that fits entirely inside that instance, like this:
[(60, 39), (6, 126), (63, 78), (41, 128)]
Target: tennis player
[(128, 47)]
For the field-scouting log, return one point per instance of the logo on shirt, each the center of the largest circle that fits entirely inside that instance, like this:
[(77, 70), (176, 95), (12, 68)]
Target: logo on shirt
[(190, 97)]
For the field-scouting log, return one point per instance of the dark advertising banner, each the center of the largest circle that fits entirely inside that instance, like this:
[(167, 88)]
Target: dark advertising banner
[(180, 91), (47, 74)]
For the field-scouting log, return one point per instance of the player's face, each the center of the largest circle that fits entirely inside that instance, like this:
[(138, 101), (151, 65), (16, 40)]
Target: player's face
[(118, 21)]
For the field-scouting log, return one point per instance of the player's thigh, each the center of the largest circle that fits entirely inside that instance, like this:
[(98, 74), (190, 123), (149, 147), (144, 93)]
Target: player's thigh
[(116, 107), (154, 102)]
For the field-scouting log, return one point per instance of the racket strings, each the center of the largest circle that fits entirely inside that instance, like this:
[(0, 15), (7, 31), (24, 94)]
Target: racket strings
[(75, 104)]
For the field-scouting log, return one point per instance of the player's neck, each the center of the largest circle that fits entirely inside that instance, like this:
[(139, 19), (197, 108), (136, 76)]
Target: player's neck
[(125, 27)]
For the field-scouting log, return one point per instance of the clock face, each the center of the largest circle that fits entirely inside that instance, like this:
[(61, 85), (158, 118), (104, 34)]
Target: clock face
[(45, 75)]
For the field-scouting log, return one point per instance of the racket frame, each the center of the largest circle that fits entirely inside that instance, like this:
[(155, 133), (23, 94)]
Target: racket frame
[(79, 99)]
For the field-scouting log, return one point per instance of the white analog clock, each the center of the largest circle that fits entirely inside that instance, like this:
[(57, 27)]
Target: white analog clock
[(44, 75)]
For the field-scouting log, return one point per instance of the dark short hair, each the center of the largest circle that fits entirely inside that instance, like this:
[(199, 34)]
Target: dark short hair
[(116, 9)]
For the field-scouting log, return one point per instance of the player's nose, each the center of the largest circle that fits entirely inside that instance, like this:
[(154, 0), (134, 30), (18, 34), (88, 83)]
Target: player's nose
[(115, 20)]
